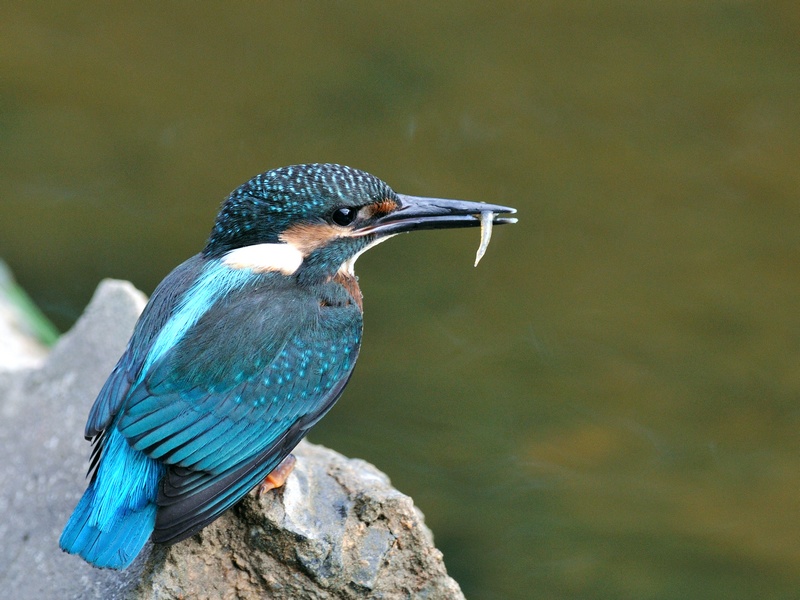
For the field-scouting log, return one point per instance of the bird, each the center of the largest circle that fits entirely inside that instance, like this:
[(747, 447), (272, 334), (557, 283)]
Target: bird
[(239, 351)]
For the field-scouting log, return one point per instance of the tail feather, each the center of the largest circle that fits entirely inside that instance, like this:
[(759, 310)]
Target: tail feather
[(114, 548), (117, 513)]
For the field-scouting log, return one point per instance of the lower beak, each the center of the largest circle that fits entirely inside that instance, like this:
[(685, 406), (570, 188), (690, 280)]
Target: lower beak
[(414, 212)]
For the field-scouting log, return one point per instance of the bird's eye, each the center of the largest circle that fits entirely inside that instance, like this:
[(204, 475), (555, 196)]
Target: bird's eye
[(344, 216)]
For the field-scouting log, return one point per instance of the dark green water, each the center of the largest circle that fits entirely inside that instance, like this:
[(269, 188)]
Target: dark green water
[(608, 407)]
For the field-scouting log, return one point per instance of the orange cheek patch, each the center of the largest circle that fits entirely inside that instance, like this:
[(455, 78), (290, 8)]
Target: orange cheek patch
[(307, 237)]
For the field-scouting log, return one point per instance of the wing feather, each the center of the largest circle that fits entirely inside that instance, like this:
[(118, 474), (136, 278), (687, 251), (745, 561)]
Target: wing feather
[(155, 314), (225, 404)]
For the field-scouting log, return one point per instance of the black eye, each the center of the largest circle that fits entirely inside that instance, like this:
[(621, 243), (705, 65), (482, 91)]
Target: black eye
[(344, 216)]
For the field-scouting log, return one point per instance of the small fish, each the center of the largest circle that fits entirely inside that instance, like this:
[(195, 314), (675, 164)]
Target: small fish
[(487, 219)]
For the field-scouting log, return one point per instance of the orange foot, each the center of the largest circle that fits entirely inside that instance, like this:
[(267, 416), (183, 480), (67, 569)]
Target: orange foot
[(278, 476)]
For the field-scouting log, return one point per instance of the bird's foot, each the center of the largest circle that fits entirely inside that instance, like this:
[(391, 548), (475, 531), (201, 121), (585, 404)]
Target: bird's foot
[(278, 476)]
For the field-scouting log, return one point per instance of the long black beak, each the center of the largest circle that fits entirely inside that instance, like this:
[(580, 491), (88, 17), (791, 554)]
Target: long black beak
[(414, 212)]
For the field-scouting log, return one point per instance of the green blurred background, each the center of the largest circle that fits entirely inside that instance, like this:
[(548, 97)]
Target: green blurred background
[(608, 406)]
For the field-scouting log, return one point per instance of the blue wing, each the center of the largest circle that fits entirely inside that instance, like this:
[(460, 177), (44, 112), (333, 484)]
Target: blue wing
[(158, 310), (230, 399)]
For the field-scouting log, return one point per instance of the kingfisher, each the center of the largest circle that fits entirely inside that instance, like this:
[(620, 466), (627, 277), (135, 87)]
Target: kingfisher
[(240, 350)]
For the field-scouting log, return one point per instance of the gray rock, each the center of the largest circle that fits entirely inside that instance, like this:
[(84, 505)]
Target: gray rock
[(336, 530), (42, 414)]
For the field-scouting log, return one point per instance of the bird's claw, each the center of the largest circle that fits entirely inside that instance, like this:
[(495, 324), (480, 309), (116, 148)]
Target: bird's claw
[(278, 476)]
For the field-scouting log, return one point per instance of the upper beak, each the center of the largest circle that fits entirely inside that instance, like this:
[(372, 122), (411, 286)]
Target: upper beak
[(414, 212)]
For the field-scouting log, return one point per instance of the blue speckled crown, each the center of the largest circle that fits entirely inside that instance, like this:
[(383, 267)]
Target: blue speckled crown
[(259, 210)]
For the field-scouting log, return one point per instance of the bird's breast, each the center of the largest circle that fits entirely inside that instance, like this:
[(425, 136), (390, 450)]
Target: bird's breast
[(350, 284)]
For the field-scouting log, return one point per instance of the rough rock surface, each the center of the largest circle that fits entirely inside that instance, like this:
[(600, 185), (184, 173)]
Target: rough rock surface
[(336, 530), (44, 456)]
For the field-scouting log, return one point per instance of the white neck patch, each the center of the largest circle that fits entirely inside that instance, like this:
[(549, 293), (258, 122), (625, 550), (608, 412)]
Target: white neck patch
[(348, 267), (281, 258)]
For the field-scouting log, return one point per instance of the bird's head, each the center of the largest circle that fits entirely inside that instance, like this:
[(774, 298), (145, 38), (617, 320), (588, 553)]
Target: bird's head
[(316, 219)]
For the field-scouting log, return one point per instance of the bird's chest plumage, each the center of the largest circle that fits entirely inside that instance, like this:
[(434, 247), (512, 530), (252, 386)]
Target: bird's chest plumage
[(271, 326)]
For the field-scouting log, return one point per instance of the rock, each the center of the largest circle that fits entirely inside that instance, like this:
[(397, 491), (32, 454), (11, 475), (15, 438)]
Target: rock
[(42, 414), (336, 530)]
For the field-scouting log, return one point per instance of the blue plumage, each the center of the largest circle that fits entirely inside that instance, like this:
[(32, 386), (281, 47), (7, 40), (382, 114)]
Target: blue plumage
[(117, 513), (240, 350)]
